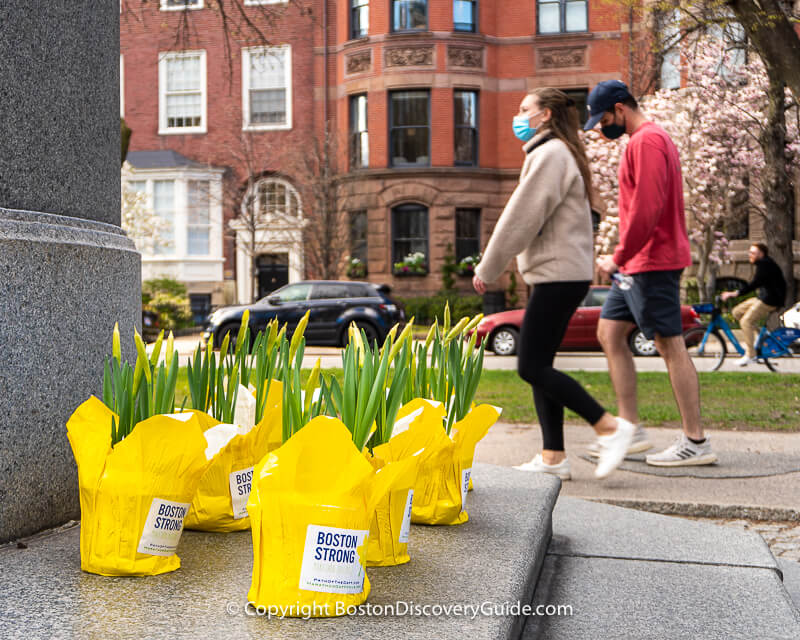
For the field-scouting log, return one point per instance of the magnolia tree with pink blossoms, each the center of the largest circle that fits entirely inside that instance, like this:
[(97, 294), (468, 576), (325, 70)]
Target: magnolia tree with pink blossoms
[(716, 122)]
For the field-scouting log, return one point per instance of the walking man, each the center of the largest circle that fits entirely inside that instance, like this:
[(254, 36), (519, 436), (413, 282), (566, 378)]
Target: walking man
[(771, 286), (652, 252)]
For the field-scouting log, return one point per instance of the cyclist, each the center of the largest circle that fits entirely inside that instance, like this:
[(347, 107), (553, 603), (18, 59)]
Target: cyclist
[(771, 286)]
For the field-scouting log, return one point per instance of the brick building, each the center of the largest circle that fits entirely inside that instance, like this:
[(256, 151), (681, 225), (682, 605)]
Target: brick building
[(423, 93)]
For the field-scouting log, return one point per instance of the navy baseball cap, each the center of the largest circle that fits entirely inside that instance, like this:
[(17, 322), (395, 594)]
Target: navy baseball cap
[(602, 98)]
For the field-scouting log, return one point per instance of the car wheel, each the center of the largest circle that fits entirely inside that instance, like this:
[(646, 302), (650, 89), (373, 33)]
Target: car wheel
[(232, 329), (369, 331), (641, 345), (505, 341)]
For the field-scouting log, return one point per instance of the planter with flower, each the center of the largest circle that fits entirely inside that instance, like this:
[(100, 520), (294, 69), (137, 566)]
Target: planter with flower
[(356, 268), (414, 264), (466, 266)]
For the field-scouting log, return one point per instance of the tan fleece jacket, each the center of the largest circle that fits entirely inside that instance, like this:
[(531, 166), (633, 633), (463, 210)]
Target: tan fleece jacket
[(547, 223)]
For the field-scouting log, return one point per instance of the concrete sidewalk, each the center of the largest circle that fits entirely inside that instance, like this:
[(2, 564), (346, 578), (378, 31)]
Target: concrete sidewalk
[(568, 361), (766, 497)]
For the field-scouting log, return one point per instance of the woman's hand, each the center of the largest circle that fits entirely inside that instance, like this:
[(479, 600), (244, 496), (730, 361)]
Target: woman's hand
[(479, 285)]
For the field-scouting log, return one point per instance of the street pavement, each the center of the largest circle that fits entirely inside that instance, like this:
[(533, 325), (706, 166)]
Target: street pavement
[(568, 361)]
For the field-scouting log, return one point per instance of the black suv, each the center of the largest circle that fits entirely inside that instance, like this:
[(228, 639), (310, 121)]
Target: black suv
[(333, 306)]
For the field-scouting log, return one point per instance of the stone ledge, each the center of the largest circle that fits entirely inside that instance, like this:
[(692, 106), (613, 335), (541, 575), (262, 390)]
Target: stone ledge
[(495, 557)]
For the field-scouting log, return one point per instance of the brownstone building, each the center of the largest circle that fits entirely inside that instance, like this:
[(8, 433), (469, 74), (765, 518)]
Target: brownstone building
[(422, 91)]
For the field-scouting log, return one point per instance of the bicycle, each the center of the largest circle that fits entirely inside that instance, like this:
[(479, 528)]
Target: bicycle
[(708, 348)]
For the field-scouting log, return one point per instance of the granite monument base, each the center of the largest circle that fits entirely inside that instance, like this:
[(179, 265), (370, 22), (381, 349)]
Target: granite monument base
[(65, 282)]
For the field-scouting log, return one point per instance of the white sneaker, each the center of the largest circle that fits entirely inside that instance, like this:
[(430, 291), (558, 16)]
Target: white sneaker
[(613, 448), (641, 442), (537, 465), (743, 361), (683, 453)]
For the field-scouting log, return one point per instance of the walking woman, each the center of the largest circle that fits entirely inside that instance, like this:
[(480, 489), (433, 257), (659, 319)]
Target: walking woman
[(547, 225)]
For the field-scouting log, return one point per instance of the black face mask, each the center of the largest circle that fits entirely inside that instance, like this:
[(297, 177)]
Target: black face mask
[(613, 131)]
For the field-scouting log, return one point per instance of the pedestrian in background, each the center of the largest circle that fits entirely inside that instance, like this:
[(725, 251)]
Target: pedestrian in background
[(652, 252), (771, 286), (547, 225)]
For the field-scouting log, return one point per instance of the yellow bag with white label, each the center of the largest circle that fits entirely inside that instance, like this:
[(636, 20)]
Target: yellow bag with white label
[(417, 433), (310, 509), (440, 492), (135, 495), (220, 503)]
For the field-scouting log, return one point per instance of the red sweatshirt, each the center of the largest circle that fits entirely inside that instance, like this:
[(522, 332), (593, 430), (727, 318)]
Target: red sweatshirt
[(652, 224)]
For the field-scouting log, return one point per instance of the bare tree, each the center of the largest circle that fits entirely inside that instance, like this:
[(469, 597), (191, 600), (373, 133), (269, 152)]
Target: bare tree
[(317, 166), (252, 214), (237, 21), (771, 36)]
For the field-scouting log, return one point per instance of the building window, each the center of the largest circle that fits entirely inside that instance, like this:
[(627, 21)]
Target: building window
[(359, 137), (466, 127), (562, 16), (275, 197), (409, 15), (670, 36), (468, 233), (267, 87), (179, 5), (358, 235), (359, 18), (410, 128), (200, 304), (182, 89), (164, 208), (409, 231), (579, 97), (465, 17), (198, 223)]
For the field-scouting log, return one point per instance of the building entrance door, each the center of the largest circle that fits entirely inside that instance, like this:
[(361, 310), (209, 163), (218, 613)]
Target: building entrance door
[(273, 272)]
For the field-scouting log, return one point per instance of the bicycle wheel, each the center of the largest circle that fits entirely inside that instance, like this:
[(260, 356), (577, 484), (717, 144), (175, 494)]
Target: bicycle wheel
[(713, 352), (771, 347)]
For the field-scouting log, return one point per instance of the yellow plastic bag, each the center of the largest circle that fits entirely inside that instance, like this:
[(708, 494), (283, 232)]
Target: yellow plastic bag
[(310, 508), (440, 492), (135, 495), (220, 503), (391, 524)]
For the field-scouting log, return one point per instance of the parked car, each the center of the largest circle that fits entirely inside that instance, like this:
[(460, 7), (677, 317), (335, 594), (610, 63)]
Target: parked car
[(333, 306), (502, 329), (791, 317), (151, 325)]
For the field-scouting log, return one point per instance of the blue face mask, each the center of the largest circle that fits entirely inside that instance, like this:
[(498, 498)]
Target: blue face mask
[(522, 127)]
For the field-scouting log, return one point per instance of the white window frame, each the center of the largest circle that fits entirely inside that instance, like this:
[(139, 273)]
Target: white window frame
[(256, 3), (121, 86), (178, 253), (208, 226), (166, 7), (266, 126), (163, 59)]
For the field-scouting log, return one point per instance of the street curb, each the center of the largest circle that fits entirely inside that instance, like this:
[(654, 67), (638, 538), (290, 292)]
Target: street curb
[(695, 509)]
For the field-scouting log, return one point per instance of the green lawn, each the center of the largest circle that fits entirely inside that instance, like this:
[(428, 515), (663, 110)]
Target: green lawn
[(742, 401)]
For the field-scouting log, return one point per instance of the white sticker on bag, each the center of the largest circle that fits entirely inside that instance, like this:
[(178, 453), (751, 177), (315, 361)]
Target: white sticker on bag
[(405, 528), (163, 527), (331, 561), (465, 476), (241, 483)]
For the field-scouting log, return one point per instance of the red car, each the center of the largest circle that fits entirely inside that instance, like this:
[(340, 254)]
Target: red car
[(502, 329)]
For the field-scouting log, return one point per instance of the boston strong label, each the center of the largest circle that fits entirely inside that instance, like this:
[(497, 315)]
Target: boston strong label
[(163, 527), (331, 560)]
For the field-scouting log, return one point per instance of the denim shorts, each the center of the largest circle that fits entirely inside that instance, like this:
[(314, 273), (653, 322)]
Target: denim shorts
[(652, 303)]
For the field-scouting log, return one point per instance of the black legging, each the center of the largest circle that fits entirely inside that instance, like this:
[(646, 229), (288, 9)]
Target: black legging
[(549, 310)]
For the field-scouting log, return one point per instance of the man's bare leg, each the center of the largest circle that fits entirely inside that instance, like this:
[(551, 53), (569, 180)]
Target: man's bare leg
[(685, 386), (613, 336)]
